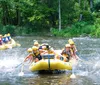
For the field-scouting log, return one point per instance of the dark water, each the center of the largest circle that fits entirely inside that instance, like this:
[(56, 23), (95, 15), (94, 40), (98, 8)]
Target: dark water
[(87, 71)]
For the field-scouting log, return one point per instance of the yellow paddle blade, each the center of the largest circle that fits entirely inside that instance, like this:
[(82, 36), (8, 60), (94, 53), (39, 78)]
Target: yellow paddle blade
[(18, 44)]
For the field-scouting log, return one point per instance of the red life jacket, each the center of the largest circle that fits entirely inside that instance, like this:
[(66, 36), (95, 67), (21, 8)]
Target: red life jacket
[(0, 41)]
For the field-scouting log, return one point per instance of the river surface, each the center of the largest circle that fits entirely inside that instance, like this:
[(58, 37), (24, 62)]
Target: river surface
[(87, 70)]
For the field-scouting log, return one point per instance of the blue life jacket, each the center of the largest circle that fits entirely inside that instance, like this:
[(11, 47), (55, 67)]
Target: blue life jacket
[(5, 39), (9, 38)]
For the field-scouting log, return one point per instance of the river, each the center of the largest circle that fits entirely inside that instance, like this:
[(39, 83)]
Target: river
[(87, 70)]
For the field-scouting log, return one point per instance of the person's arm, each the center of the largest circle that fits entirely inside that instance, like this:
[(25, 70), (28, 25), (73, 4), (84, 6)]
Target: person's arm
[(28, 57), (72, 55), (75, 48)]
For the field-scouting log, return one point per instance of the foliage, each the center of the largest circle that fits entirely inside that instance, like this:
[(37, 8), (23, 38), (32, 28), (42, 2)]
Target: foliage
[(97, 26), (21, 17), (7, 29), (97, 7), (78, 29)]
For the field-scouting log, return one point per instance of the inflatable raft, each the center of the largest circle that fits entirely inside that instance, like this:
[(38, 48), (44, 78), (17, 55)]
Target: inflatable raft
[(3, 47), (10, 45), (51, 64)]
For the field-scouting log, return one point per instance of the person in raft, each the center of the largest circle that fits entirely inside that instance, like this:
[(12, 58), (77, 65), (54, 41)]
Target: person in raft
[(9, 37), (36, 44), (73, 49), (46, 49), (1, 40), (66, 53), (5, 39), (34, 54)]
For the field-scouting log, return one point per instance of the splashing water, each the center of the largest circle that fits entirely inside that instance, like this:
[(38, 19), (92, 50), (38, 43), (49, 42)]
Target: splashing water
[(87, 71), (8, 63), (8, 66)]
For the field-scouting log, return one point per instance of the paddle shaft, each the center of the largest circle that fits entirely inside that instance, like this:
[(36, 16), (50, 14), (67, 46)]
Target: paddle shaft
[(18, 65), (22, 68)]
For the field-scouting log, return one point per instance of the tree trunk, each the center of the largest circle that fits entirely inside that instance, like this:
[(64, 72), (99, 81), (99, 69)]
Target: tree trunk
[(84, 4), (59, 17), (17, 14), (91, 5), (7, 14), (81, 15), (79, 1), (4, 13)]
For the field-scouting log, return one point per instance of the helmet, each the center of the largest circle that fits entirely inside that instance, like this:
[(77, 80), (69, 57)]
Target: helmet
[(5, 35), (36, 43), (29, 50), (0, 35), (34, 48), (67, 45), (71, 41), (8, 34)]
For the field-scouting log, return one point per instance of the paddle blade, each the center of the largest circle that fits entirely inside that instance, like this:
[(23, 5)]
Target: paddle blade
[(21, 74), (18, 44), (73, 76)]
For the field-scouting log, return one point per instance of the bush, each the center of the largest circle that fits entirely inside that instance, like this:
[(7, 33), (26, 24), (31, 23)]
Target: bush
[(97, 32), (15, 30), (7, 29), (79, 28)]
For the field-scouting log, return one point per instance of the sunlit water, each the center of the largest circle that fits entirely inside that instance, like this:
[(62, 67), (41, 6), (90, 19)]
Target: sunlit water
[(87, 70)]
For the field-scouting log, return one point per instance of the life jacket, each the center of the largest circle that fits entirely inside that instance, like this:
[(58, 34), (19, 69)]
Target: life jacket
[(9, 38), (0, 41), (50, 50), (66, 54), (37, 55), (73, 50), (5, 39)]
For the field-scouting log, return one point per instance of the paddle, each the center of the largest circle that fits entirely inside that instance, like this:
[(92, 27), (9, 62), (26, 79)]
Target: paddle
[(82, 60), (73, 68), (73, 75), (22, 70), (18, 65)]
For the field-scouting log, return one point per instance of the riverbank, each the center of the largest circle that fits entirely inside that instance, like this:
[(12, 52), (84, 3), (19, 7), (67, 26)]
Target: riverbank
[(78, 29)]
